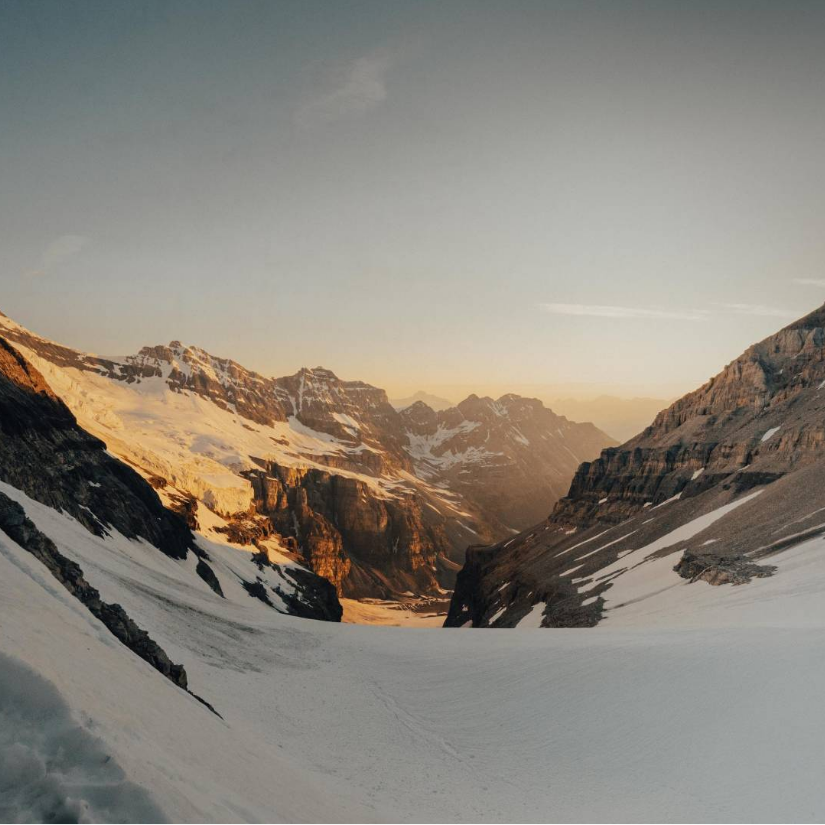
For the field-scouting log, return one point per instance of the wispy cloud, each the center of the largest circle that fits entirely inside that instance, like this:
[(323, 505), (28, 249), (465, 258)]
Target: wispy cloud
[(760, 310), (820, 282), (601, 311), (58, 252), (362, 87)]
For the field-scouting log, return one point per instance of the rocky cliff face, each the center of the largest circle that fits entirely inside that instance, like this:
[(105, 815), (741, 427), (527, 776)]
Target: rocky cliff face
[(365, 544), (756, 428), (353, 412), (761, 416)]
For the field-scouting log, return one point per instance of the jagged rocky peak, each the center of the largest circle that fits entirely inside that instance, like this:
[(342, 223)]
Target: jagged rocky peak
[(319, 389), (322, 384), (420, 417), (514, 408), (511, 457), (351, 411), (222, 380)]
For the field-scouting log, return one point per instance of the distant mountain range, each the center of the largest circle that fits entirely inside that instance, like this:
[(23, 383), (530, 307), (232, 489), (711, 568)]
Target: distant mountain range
[(318, 470), (622, 418), (433, 401)]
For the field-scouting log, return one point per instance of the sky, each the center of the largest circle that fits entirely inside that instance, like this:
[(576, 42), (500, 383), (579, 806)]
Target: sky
[(590, 196)]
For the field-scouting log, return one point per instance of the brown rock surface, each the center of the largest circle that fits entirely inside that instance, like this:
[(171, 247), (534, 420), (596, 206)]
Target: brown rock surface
[(365, 544)]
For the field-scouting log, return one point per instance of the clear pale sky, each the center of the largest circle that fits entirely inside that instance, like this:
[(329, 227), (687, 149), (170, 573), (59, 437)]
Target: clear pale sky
[(605, 195)]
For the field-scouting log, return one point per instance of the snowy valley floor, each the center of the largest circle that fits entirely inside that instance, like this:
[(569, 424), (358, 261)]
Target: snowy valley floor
[(394, 613), (710, 710)]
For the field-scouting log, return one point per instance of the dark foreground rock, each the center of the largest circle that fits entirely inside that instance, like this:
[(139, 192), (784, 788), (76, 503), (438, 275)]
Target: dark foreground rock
[(15, 524)]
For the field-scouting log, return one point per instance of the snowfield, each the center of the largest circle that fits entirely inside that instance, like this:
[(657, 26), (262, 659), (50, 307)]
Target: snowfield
[(704, 705), (187, 439)]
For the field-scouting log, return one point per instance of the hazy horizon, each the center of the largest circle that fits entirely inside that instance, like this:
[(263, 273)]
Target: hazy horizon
[(618, 198), (547, 391)]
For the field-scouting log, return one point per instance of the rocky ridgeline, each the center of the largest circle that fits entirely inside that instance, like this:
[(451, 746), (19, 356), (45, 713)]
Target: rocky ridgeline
[(760, 417), (351, 411)]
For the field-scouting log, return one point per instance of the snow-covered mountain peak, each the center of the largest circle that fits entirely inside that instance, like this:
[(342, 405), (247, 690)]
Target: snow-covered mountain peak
[(375, 499)]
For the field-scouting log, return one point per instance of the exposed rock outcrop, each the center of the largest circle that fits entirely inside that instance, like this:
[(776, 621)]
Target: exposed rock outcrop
[(364, 543), (716, 569), (314, 597)]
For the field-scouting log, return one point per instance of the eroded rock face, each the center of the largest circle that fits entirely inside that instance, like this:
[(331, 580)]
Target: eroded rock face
[(365, 544), (760, 417)]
